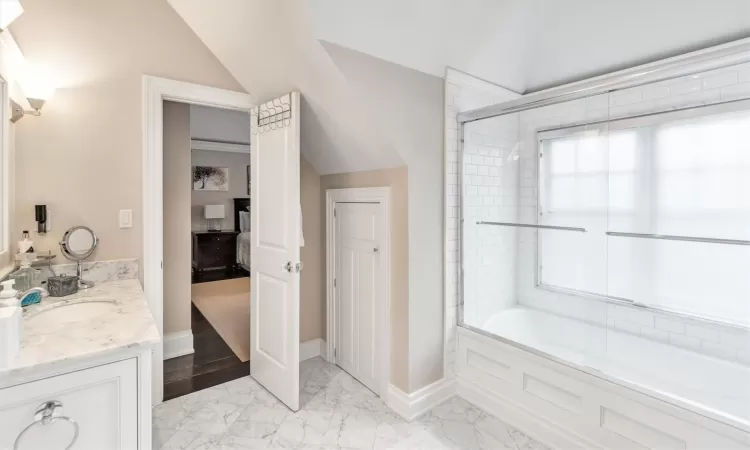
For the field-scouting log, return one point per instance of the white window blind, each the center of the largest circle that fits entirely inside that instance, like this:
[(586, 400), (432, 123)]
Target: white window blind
[(684, 174)]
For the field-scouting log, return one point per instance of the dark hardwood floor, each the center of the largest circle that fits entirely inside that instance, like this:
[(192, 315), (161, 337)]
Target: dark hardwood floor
[(219, 274), (212, 363)]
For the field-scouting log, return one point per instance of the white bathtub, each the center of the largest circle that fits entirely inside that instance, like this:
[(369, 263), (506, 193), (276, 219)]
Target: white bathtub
[(566, 355)]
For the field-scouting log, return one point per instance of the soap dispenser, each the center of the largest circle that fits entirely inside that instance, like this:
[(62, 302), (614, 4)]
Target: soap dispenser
[(11, 324), (8, 296)]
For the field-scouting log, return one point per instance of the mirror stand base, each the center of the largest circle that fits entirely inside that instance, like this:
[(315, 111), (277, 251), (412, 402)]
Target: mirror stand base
[(83, 284)]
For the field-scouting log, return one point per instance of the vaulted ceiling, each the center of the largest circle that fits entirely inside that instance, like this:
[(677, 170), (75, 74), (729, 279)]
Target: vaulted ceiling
[(273, 47), (527, 45), (270, 48)]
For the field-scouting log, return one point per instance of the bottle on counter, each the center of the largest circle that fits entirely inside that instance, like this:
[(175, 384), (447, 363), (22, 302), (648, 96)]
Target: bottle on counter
[(27, 277), (25, 245)]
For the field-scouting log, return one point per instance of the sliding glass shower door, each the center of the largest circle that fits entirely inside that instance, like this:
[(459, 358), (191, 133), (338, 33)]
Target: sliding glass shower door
[(534, 212)]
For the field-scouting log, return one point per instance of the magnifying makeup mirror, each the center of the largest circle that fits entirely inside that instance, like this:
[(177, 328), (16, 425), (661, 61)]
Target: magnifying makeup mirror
[(77, 244)]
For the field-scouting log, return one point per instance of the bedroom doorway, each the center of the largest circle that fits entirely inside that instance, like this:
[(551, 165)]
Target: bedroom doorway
[(206, 246), (277, 217)]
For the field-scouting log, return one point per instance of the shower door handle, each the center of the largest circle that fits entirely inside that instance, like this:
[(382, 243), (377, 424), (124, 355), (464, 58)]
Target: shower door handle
[(531, 225)]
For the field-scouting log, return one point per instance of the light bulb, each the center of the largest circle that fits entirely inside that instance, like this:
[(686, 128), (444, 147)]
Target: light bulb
[(36, 86)]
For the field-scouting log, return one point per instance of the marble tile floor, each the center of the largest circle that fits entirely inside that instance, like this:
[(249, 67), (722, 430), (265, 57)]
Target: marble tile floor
[(336, 412)]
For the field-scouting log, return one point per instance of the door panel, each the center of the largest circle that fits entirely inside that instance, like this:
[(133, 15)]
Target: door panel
[(274, 305), (347, 312), (358, 238), (367, 314), (274, 187)]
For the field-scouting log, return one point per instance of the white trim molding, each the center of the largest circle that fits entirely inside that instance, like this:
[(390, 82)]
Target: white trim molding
[(178, 344), (216, 146), (411, 406), (312, 349), (543, 431), (380, 195), (154, 91), (567, 408), (12, 64)]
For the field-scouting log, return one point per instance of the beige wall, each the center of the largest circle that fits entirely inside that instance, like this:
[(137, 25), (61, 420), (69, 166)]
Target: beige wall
[(82, 157), (237, 164), (312, 278), (397, 180), (177, 237), (409, 105)]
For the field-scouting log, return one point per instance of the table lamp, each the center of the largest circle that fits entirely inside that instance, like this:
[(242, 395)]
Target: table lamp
[(214, 214)]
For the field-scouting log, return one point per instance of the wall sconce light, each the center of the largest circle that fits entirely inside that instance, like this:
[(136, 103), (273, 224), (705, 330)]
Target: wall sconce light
[(40, 215), (37, 93), (18, 111), (9, 11)]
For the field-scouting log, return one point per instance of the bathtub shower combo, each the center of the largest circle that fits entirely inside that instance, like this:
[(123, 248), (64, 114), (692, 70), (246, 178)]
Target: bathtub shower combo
[(605, 253)]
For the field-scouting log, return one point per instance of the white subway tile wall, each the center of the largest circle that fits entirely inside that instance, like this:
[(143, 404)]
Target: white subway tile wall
[(489, 277), (463, 93), (500, 182)]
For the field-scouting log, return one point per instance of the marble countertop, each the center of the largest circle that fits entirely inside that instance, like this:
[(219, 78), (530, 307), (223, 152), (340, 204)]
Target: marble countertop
[(55, 335)]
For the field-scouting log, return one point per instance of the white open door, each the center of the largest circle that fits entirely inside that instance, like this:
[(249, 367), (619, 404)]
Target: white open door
[(275, 260)]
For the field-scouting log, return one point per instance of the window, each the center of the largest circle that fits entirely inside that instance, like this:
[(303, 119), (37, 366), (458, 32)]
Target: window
[(684, 174)]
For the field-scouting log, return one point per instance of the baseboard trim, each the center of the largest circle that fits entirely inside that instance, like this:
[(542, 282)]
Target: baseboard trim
[(311, 349), (411, 406), (532, 425), (178, 344)]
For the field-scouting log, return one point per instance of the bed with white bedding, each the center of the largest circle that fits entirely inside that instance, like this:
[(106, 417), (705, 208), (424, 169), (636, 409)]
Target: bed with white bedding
[(242, 225), (243, 250)]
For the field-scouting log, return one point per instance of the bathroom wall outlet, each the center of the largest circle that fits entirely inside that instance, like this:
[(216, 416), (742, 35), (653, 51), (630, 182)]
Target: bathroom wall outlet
[(126, 218)]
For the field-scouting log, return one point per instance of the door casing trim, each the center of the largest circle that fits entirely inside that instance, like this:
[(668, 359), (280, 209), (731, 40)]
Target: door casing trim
[(381, 195), (155, 91)]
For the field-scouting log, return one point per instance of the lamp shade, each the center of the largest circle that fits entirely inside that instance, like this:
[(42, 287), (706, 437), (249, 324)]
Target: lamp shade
[(214, 211), (9, 11)]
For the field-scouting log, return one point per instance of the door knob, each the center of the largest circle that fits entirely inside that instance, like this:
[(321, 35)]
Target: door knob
[(287, 267), (298, 267), (375, 249)]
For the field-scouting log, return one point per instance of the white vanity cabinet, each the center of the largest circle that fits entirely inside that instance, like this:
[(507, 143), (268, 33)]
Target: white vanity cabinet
[(85, 359), (103, 401)]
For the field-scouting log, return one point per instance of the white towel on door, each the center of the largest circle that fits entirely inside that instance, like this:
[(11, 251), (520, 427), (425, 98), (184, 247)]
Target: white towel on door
[(301, 236)]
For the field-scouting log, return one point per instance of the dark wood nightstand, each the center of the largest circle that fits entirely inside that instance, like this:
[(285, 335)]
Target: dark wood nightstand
[(214, 250)]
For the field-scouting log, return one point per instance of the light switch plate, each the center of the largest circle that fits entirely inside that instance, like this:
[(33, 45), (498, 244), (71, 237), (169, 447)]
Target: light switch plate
[(126, 218)]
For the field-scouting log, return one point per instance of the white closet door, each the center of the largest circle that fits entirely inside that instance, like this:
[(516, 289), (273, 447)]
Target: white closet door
[(274, 304), (358, 237)]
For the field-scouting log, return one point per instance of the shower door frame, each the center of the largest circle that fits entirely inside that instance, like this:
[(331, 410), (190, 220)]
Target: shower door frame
[(718, 57)]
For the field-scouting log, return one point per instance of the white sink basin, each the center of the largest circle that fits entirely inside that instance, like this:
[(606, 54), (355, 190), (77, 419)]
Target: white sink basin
[(65, 314)]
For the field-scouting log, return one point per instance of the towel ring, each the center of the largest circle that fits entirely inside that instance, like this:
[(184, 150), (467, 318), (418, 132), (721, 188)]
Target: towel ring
[(44, 416)]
